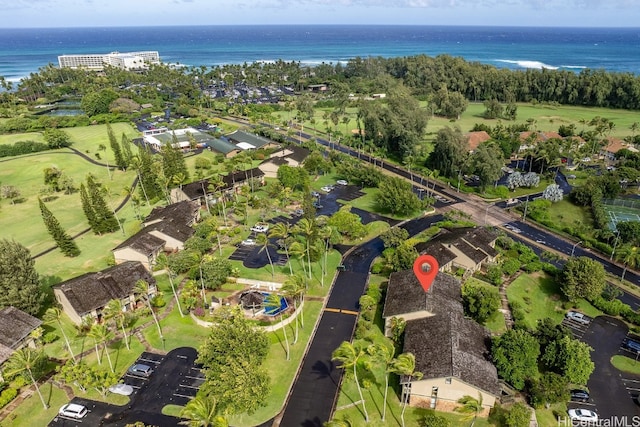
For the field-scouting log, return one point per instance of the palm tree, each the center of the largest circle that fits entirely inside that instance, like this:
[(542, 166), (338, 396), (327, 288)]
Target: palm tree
[(384, 352), (349, 355), (273, 302), (142, 289), (294, 288), (282, 230), (201, 411), (114, 310), (54, 314), (307, 228), (296, 249), (162, 261), (101, 335), (471, 406), (263, 241), (26, 360), (136, 163), (630, 256), (338, 422), (405, 364)]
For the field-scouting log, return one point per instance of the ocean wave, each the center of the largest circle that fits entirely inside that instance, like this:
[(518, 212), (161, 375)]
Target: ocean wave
[(582, 67), (529, 64)]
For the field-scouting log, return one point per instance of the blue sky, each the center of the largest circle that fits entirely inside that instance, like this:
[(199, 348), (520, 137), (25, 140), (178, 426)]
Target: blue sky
[(92, 13)]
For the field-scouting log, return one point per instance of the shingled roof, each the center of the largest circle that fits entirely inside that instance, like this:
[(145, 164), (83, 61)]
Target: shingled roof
[(474, 242), (94, 290), (15, 325), (182, 212), (143, 242), (449, 345), (405, 295), (241, 176)]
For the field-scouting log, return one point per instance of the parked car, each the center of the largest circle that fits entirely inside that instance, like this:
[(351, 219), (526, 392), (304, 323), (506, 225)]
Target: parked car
[(248, 242), (577, 317), (140, 370), (580, 395), (73, 410), (317, 205), (315, 194), (260, 227), (327, 188), (631, 345), (298, 212), (583, 415), (123, 389), (341, 182)]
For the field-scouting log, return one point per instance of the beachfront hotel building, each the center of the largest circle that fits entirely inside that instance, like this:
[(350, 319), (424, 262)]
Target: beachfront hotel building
[(97, 62)]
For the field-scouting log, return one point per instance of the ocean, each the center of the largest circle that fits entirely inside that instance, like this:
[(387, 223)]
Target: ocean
[(25, 51)]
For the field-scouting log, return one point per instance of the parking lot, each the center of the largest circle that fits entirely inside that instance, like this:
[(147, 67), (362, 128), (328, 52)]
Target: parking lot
[(175, 380), (612, 392)]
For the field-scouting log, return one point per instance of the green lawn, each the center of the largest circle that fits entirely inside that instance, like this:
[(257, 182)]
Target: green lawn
[(626, 364), (539, 296)]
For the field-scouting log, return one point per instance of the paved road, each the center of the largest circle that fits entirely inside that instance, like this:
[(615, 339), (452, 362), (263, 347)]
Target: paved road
[(612, 391), (315, 390)]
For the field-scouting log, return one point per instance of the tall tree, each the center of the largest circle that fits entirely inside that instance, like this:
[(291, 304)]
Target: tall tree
[(142, 290), (272, 303), (630, 257), (202, 411), (65, 243), (105, 220), (115, 147), (101, 336), (294, 288), (87, 208), (282, 231), (405, 364), (162, 261), (263, 242), (449, 151), (114, 310), (127, 153), (26, 360), (19, 281), (515, 354), (173, 163), (350, 355), (487, 162), (54, 314), (470, 406), (384, 352), (583, 277)]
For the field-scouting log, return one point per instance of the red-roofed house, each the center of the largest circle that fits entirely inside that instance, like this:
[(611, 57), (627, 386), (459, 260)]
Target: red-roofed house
[(474, 139)]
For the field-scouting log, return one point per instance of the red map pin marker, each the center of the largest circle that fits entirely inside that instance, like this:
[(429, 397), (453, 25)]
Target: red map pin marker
[(425, 268)]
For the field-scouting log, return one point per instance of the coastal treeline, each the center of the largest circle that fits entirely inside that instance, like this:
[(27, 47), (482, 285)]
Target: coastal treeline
[(425, 76)]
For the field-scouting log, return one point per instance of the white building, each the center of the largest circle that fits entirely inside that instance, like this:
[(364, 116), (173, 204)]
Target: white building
[(97, 62)]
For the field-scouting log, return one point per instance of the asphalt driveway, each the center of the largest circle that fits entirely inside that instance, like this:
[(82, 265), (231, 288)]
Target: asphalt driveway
[(611, 391), (175, 380)]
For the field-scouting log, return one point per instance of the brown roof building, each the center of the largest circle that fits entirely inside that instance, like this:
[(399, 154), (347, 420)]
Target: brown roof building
[(474, 139), (15, 329), (86, 295), (451, 351)]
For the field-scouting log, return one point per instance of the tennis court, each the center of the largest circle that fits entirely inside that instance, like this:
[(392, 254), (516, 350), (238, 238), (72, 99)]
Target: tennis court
[(620, 214)]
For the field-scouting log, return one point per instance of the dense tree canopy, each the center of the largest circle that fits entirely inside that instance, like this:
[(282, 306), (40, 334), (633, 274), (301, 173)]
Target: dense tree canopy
[(19, 280), (515, 354), (449, 151), (583, 277)]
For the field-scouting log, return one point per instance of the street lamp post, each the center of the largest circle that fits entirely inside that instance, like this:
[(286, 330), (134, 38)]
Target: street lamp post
[(526, 206), (420, 190), (574, 247), (459, 172)]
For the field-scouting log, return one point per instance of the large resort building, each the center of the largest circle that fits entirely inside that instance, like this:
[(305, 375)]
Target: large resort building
[(97, 62)]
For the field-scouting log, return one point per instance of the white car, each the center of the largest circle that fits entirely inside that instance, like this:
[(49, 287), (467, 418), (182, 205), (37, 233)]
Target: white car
[(248, 242), (583, 415), (578, 317), (123, 389), (260, 228), (73, 410), (327, 188), (341, 182)]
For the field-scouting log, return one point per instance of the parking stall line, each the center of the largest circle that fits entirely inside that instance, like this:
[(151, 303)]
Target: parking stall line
[(183, 395)]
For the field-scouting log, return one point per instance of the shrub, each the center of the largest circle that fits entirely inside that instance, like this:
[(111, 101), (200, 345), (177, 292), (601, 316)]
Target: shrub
[(7, 396), (49, 337), (158, 301)]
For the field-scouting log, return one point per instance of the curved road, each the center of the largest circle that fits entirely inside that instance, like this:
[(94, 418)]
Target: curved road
[(315, 390)]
